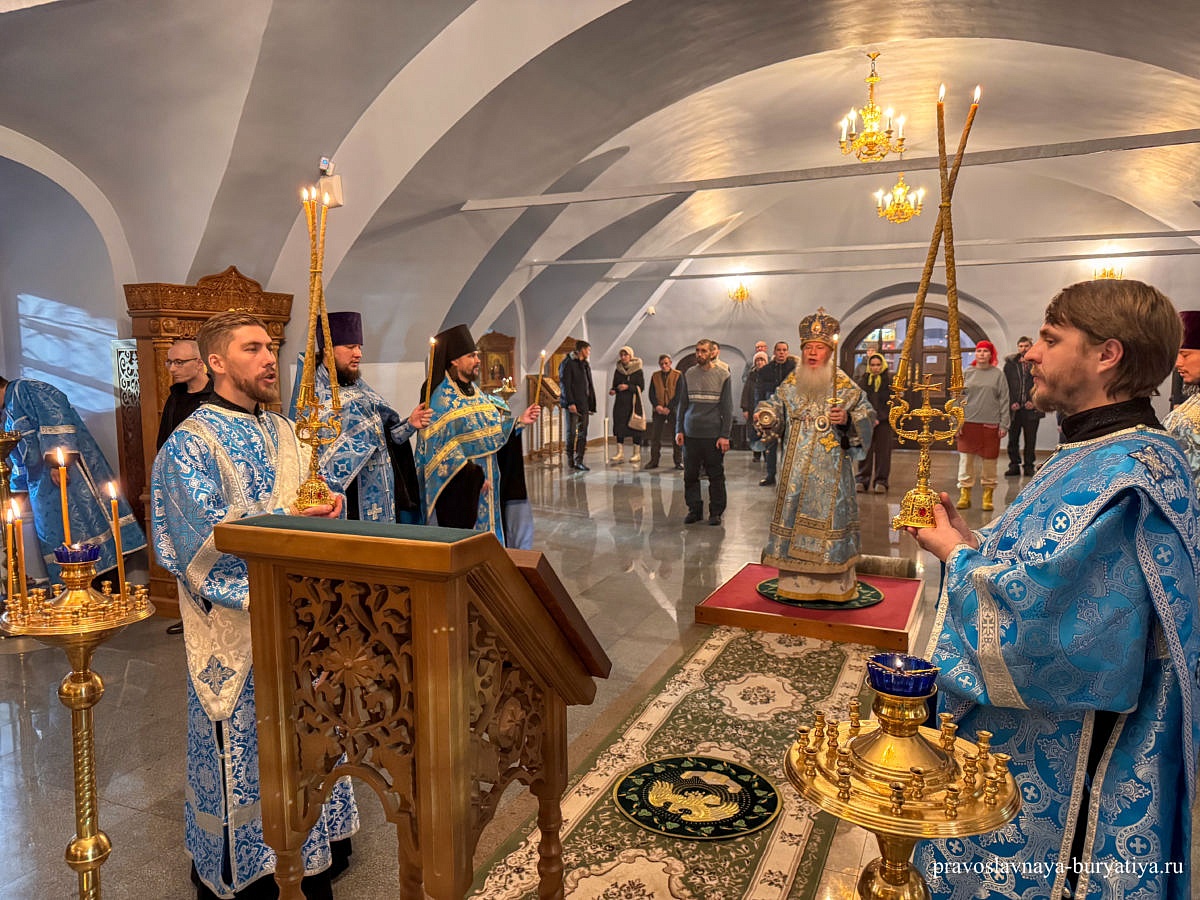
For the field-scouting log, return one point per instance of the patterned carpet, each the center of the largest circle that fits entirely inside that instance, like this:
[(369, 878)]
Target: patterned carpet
[(738, 696)]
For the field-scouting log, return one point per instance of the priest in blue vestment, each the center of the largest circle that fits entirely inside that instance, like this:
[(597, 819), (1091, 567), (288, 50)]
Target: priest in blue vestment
[(1067, 627), (371, 460), (469, 457), (230, 459), (48, 423)]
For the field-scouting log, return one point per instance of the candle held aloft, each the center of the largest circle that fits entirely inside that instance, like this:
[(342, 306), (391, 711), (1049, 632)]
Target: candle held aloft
[(429, 381), (62, 490), (537, 396)]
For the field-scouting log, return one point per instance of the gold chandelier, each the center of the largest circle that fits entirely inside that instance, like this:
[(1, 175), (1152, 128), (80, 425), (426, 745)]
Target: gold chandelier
[(873, 143), (739, 293), (901, 203)]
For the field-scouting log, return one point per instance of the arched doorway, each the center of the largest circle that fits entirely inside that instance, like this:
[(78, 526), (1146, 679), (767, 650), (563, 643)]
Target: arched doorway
[(885, 332)]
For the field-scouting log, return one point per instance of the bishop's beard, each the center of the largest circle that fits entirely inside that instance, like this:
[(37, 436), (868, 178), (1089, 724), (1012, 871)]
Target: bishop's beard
[(815, 384)]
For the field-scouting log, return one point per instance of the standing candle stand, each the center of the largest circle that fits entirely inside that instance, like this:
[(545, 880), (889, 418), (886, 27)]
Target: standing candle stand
[(79, 619), (926, 425), (900, 780), (8, 443)]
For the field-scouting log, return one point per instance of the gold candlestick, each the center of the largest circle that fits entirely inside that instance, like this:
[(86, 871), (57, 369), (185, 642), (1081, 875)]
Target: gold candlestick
[(62, 489), (429, 380), (537, 394), (916, 510), (833, 393), (116, 528), (312, 428)]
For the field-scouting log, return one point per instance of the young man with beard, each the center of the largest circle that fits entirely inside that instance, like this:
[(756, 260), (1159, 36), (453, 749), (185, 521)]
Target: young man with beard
[(814, 537), (469, 458), (704, 418), (370, 461), (1184, 420), (230, 459), (1068, 628), (190, 386)]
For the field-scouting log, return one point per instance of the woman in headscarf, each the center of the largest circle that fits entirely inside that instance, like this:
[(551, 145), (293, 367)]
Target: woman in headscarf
[(878, 461), (627, 386), (986, 405)]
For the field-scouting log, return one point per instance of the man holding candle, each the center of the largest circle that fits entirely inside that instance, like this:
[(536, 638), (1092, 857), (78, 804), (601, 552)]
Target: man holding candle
[(469, 457), (230, 459), (371, 461), (1068, 628), (814, 536), (66, 497)]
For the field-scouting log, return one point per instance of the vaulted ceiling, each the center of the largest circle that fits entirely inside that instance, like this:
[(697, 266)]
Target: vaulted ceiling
[(545, 167)]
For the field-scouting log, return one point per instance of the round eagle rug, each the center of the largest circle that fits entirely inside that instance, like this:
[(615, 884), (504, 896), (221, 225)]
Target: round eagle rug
[(868, 595), (698, 798)]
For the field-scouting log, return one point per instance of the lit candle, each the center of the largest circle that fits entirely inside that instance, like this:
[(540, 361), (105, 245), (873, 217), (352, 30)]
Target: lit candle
[(852, 116), (19, 527), (10, 562), (845, 124), (941, 93), (890, 112), (977, 92), (879, 199), (116, 529), (62, 489), (833, 376), (900, 127), (537, 396), (429, 381)]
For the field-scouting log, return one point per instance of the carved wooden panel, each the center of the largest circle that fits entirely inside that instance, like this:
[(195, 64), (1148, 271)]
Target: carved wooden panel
[(129, 424)]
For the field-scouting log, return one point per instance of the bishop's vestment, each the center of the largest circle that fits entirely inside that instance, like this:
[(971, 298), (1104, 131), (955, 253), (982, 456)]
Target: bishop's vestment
[(1184, 422), (814, 536), (1075, 619), (220, 465), (47, 421)]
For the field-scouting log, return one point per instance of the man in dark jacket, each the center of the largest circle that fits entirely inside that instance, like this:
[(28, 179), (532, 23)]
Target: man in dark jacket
[(664, 385), (578, 399), (190, 386), (1024, 415), (770, 377)]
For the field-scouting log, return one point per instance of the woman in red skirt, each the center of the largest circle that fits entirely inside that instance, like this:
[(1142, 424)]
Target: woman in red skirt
[(986, 404)]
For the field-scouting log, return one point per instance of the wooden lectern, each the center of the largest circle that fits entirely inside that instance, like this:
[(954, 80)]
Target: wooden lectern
[(431, 664)]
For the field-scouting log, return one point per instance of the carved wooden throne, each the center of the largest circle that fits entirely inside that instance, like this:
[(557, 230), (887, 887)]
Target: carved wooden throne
[(428, 662)]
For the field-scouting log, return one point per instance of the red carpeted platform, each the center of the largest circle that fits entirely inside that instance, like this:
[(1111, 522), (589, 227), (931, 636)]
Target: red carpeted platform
[(737, 602)]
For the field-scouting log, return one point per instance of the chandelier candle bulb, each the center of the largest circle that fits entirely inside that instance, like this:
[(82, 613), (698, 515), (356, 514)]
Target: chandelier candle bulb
[(116, 529), (62, 489), (843, 137), (541, 369)]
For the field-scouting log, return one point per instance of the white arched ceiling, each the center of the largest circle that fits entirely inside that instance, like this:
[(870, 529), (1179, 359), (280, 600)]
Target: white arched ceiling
[(196, 123)]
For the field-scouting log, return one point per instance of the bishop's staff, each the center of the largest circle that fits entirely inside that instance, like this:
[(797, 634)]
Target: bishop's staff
[(916, 510), (311, 428)]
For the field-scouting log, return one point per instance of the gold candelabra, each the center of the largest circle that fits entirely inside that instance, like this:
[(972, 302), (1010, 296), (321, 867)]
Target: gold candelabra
[(8, 442), (916, 509), (898, 779), (312, 428), (901, 203), (78, 618)]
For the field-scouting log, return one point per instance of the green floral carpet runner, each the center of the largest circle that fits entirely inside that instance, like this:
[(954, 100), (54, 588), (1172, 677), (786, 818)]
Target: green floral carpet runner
[(737, 697)]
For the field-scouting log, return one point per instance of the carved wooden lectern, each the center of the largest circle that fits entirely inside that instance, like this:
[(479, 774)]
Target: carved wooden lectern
[(429, 663)]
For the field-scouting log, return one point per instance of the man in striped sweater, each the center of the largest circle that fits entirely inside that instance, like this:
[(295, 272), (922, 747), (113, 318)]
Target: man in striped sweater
[(703, 423)]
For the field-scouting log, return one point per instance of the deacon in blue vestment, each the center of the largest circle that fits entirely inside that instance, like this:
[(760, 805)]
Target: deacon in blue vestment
[(48, 422), (1067, 628), (463, 455), (814, 537), (231, 459), (370, 461)]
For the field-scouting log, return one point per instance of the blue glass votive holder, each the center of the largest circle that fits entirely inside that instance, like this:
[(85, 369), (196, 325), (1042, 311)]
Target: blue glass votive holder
[(77, 553), (901, 675)]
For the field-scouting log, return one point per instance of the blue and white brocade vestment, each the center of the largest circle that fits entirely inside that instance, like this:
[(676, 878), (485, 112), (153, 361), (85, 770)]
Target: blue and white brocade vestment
[(218, 466), (47, 421), (464, 429), (360, 452), (1081, 598)]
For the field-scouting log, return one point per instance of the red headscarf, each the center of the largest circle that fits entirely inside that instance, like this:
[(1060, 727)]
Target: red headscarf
[(988, 345)]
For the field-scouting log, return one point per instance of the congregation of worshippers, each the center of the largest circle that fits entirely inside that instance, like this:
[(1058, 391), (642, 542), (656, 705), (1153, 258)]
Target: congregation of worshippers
[(1067, 627)]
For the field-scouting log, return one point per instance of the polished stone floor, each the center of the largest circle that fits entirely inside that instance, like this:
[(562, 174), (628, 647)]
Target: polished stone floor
[(614, 535)]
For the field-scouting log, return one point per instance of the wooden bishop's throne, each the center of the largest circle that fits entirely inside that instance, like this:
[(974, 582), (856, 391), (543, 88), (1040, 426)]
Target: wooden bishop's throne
[(429, 663)]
